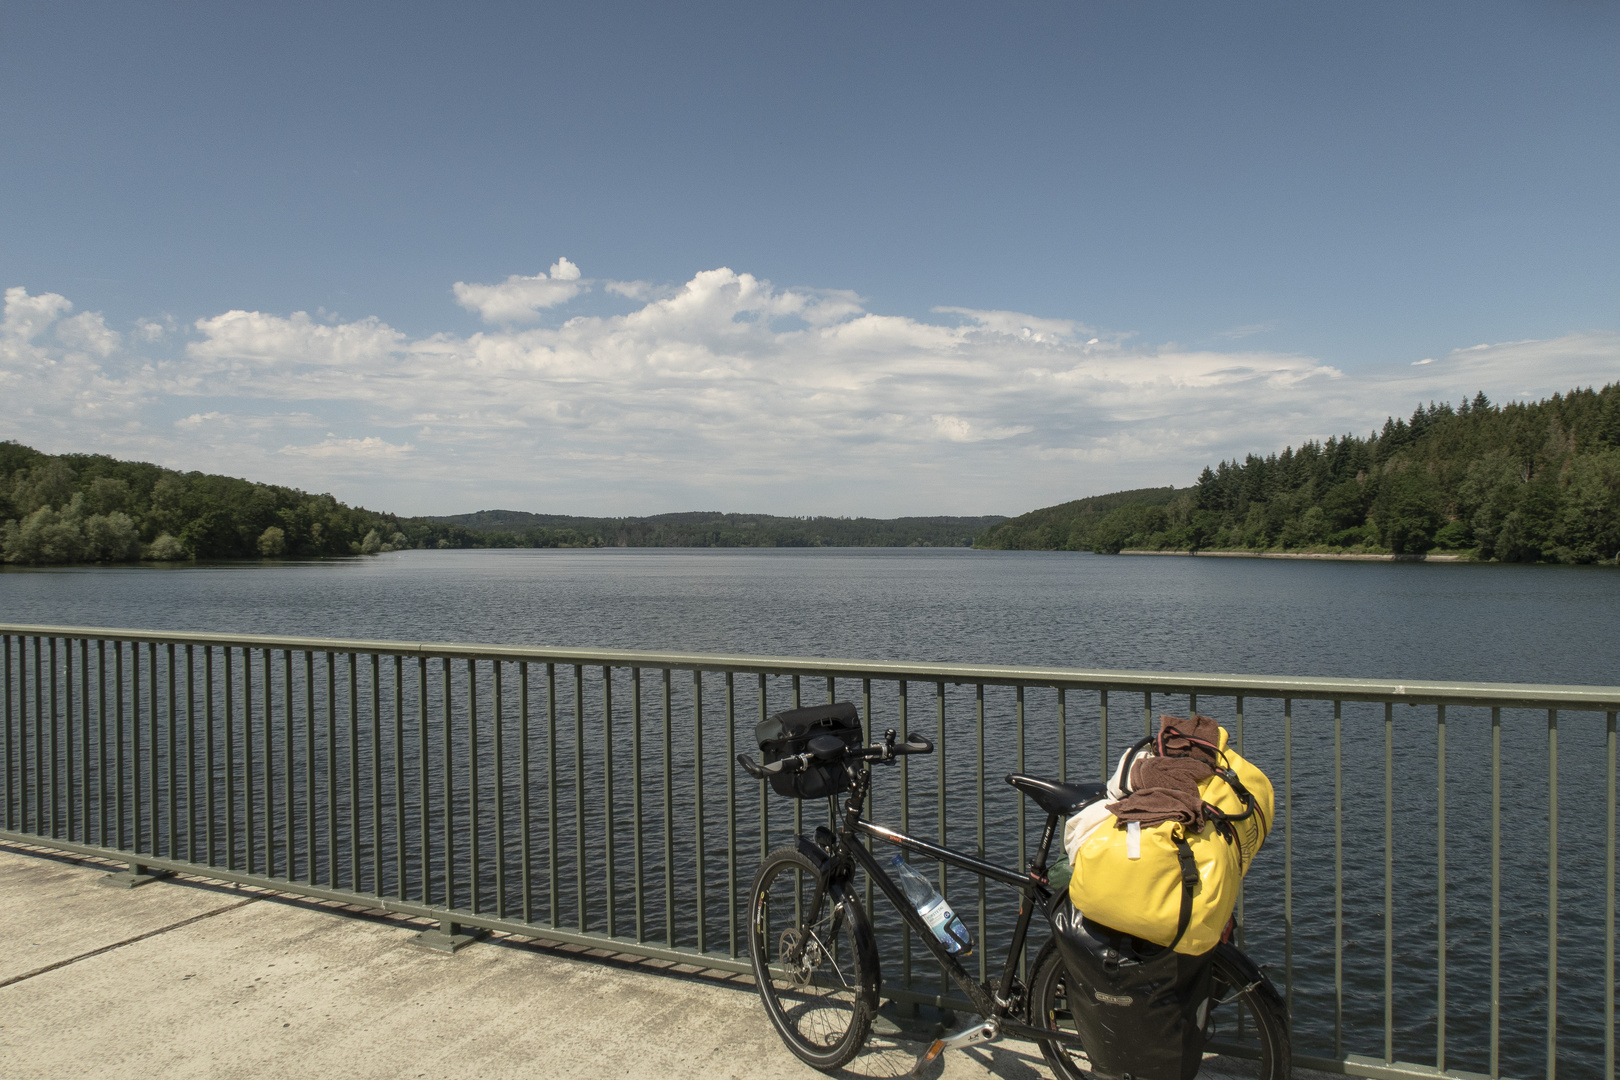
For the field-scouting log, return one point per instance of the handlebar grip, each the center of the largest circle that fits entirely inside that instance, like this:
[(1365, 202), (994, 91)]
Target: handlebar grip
[(750, 766), (915, 744)]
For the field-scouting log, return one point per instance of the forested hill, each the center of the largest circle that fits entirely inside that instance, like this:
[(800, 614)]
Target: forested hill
[(91, 508), (1519, 482), (714, 529)]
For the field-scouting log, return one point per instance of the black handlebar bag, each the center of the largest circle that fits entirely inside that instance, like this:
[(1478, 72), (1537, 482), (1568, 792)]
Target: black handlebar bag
[(1145, 1005), (788, 733)]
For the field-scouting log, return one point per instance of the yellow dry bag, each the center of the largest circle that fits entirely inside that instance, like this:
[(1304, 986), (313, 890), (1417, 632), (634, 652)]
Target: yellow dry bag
[(1165, 882)]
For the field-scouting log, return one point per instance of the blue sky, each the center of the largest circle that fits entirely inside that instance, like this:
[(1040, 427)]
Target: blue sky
[(866, 258)]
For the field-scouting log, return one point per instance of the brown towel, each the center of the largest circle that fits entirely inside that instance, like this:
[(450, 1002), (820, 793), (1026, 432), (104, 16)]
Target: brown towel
[(1164, 787), (1181, 738)]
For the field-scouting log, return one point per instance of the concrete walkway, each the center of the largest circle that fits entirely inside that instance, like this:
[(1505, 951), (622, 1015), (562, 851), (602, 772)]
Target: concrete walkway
[(193, 978)]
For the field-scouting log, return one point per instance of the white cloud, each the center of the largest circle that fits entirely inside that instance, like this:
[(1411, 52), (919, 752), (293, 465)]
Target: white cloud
[(519, 299), (727, 391), (368, 448), (28, 316), (88, 332)]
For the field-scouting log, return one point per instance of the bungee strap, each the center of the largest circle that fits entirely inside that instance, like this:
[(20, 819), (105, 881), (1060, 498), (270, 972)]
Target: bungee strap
[(1189, 882)]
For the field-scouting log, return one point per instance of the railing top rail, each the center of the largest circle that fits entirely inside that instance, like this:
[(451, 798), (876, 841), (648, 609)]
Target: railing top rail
[(1444, 692)]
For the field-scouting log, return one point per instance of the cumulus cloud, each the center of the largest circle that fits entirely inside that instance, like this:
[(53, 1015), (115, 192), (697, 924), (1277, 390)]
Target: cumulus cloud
[(520, 299), (725, 391)]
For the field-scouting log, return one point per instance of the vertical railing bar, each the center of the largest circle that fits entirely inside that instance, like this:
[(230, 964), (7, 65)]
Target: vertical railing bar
[(697, 809), (135, 792), (191, 755), (268, 673), (41, 774), (579, 793), (764, 791), (101, 768), (1147, 713), (288, 778), (5, 780), (331, 770), (1608, 909), (1440, 887), (399, 777), (424, 777), (1237, 724), (1338, 880), (247, 757), (1019, 742), (449, 787), (866, 735), (1552, 894), (1389, 883), (69, 810), (1288, 856), (1496, 892), (174, 756), (669, 812), (209, 739), (475, 868), (608, 815), (984, 970), (354, 773), (376, 777), (525, 821), (1102, 731), (311, 791), (798, 804), (636, 802), (905, 820), (1063, 735), (58, 738), (731, 809), (551, 793), (499, 709), (230, 760), (939, 753), (86, 786), (118, 740)]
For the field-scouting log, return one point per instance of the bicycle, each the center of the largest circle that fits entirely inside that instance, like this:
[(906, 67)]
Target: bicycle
[(815, 958)]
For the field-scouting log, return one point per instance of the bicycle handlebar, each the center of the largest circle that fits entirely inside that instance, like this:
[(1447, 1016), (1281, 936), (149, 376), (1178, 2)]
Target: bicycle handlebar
[(884, 751)]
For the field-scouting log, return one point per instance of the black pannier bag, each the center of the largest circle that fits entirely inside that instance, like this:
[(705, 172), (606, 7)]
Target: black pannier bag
[(788, 733), (1146, 1004)]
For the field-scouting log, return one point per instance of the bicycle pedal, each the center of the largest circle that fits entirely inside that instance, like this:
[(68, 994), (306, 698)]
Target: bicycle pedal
[(977, 1032)]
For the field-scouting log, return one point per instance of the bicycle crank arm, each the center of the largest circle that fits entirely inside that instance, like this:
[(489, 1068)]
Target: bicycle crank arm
[(977, 1032)]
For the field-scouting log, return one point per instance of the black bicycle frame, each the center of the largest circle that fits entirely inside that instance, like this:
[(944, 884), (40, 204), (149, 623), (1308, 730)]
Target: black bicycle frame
[(998, 1003)]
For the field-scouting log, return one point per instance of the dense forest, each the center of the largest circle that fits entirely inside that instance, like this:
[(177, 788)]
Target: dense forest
[(504, 528), (1521, 482), (90, 508)]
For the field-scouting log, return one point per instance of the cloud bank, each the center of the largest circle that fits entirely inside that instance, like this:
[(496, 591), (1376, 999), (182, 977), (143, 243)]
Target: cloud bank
[(723, 393)]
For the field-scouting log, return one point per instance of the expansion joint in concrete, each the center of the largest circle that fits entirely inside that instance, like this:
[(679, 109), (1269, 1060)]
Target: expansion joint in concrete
[(127, 941)]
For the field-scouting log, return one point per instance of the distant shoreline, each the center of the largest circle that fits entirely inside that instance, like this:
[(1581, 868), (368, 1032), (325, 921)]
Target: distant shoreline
[(1305, 555)]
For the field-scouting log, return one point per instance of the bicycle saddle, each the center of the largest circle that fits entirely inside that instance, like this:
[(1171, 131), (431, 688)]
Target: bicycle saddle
[(1056, 797)]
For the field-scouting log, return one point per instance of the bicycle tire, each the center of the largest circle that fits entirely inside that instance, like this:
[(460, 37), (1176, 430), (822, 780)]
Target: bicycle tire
[(1246, 1011), (823, 1007)]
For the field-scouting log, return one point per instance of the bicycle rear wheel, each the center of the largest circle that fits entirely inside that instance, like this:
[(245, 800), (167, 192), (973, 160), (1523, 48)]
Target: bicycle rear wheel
[(1246, 1018), (822, 1002)]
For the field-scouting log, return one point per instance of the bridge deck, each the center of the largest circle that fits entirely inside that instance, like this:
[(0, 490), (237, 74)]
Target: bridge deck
[(195, 978)]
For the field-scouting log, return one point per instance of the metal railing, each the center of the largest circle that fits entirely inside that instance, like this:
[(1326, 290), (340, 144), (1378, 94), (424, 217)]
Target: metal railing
[(580, 796)]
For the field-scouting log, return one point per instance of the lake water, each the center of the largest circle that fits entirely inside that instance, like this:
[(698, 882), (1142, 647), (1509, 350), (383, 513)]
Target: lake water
[(1395, 620), (1403, 621)]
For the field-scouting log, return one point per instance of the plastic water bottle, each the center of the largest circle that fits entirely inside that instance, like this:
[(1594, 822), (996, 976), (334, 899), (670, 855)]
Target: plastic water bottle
[(932, 907)]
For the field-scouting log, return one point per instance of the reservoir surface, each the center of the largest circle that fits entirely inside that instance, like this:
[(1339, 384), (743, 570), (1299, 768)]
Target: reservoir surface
[(1536, 624)]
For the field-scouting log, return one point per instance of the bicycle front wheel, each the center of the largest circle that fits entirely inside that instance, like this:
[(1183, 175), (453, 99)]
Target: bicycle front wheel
[(818, 980), (1246, 1017)]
